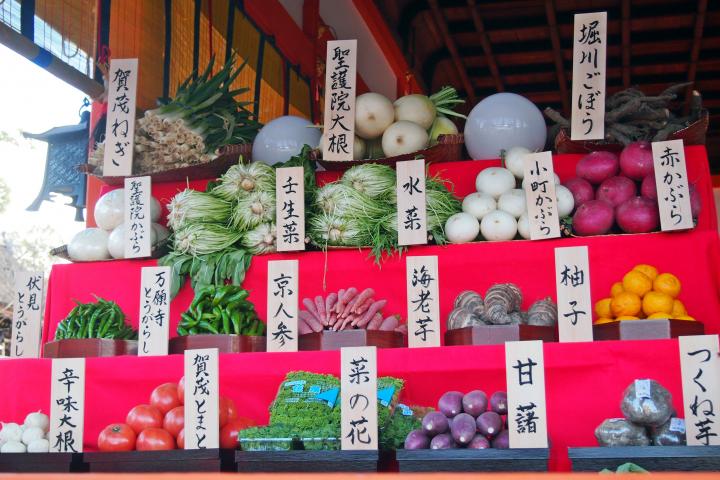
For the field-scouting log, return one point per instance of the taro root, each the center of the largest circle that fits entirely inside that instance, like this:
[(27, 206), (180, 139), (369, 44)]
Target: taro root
[(501, 299), (650, 412), (618, 432), (460, 317), (543, 312), (671, 433)]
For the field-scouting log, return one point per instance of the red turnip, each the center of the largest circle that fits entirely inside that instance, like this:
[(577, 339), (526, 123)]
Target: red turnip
[(638, 215), (636, 160), (581, 190), (593, 218), (596, 167), (648, 189), (695, 203), (616, 190)]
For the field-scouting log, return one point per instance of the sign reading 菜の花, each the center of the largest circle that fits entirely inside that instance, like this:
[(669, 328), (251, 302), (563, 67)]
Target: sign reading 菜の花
[(588, 80), (27, 315), (339, 125), (154, 311), (423, 301), (358, 398), (120, 129), (282, 306)]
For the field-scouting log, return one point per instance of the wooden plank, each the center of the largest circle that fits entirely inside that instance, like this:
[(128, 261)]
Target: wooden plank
[(487, 47), (625, 27), (557, 54), (695, 51)]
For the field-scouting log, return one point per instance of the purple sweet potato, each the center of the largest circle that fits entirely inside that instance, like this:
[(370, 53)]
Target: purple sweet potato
[(443, 441), (502, 440), (475, 402), (450, 403), (489, 424), (479, 442), (417, 440), (498, 403), (435, 423), (463, 428)]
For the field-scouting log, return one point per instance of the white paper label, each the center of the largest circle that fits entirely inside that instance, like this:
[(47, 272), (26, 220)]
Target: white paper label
[(202, 399), (423, 301), (677, 425), (671, 181), (67, 405), (411, 203), (27, 315), (642, 389), (358, 398), (572, 284), (540, 196), (340, 81), (290, 208), (154, 311), (588, 84), (282, 306), (120, 129), (138, 225), (701, 388)]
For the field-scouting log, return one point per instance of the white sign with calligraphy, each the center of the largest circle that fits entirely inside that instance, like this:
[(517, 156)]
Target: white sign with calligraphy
[(525, 375), (67, 405), (282, 306), (290, 209), (154, 311), (202, 399), (339, 125), (423, 301), (572, 283), (411, 203), (540, 196), (27, 315), (358, 398), (671, 180), (120, 129), (138, 224), (588, 81), (700, 367)]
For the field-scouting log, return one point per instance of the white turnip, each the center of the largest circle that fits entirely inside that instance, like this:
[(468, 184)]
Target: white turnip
[(514, 160), (565, 200), (595, 167), (593, 218), (415, 108), (403, 137), (442, 126), (374, 113), (616, 190), (462, 228), (638, 215), (582, 190), (636, 160), (524, 226), (89, 245), (513, 202), (495, 181), (479, 204), (498, 226)]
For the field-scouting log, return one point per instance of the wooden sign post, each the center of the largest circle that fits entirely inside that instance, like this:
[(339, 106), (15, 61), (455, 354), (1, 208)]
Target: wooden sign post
[(588, 81), (138, 224), (67, 405), (411, 203), (120, 129), (358, 398), (340, 81), (282, 306), (540, 196), (290, 209), (423, 301), (673, 191), (572, 283), (700, 368), (525, 375), (154, 311), (202, 399), (27, 315)]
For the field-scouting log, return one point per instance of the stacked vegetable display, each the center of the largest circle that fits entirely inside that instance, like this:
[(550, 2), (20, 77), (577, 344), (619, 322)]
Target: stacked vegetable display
[(30, 437), (501, 306), (100, 319), (463, 421), (221, 310)]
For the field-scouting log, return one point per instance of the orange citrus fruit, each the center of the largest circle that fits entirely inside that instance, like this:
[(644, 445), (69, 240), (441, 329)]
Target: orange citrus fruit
[(685, 317), (659, 315), (616, 289), (657, 302), (600, 321), (602, 308), (637, 282), (648, 270), (625, 304), (667, 283), (627, 317), (678, 309)]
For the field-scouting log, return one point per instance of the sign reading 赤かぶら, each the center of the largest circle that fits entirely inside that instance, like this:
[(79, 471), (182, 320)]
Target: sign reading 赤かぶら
[(572, 284), (27, 315), (120, 129), (700, 367), (154, 311), (358, 398), (525, 376), (290, 209), (282, 306), (540, 196), (138, 224), (411, 203), (67, 405), (588, 81), (202, 378), (673, 191), (423, 301), (339, 125)]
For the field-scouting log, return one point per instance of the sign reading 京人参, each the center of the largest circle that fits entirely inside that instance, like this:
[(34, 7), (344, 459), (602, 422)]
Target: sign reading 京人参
[(411, 202), (588, 81), (423, 301), (202, 418), (700, 368), (572, 283), (282, 306), (358, 398), (525, 377), (154, 311), (339, 125), (290, 209), (120, 129), (67, 405), (27, 315), (671, 181), (540, 196), (138, 224)]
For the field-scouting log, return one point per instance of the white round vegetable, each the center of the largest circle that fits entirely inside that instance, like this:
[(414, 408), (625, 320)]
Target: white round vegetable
[(13, 447), (479, 204), (31, 434), (557, 181), (565, 200), (495, 181), (89, 245), (524, 226), (110, 209), (116, 241), (11, 432), (403, 137), (415, 108), (37, 419), (161, 232), (513, 202), (374, 113), (155, 210), (515, 160), (498, 226), (39, 446), (462, 228)]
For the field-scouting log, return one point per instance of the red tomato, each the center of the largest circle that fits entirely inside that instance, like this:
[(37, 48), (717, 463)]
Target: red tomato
[(181, 391), (174, 420), (117, 437), (144, 416), (165, 397), (181, 439), (228, 411), (229, 433), (155, 439)]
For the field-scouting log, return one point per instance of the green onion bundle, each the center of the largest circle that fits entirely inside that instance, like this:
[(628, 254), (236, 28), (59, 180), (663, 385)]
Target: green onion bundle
[(204, 238), (342, 200), (190, 206), (242, 179)]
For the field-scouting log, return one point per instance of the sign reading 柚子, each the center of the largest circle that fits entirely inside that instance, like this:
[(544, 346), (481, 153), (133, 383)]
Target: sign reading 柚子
[(282, 306), (525, 376), (138, 224), (671, 181), (154, 311), (423, 301), (120, 129), (358, 398), (202, 418), (540, 196), (572, 284), (290, 209), (588, 80), (27, 315), (339, 124), (700, 369), (411, 202), (67, 405)]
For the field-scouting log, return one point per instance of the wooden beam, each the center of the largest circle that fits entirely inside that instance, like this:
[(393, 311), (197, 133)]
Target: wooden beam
[(695, 51), (625, 27), (452, 48), (487, 47), (557, 54)]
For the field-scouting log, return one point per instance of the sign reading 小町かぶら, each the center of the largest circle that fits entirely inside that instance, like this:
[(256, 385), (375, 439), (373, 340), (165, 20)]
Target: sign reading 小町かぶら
[(290, 209), (525, 376), (358, 398), (67, 405), (339, 122), (423, 301), (27, 315), (282, 306), (572, 284), (138, 224), (673, 191), (540, 196), (700, 368), (120, 129), (202, 420), (411, 203), (154, 311), (588, 80)]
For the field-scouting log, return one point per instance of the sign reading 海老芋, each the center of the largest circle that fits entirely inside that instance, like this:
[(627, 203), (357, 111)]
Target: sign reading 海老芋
[(423, 301), (588, 80), (339, 125), (120, 129)]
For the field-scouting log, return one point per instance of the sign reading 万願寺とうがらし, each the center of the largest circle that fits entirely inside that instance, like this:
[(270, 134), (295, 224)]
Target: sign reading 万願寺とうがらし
[(154, 331)]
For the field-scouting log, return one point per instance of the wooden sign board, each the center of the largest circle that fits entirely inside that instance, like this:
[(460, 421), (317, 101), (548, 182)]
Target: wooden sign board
[(120, 129), (290, 209), (671, 180), (67, 405), (411, 203), (138, 224), (27, 315), (588, 81), (700, 368), (282, 306), (540, 196), (423, 301), (154, 311), (358, 398), (202, 399), (525, 375), (572, 284), (340, 84)]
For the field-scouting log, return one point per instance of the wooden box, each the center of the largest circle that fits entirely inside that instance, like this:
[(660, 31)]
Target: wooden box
[(654, 459), (41, 462), (329, 340), (646, 329), (474, 460), (204, 460), (499, 334), (224, 343), (89, 347), (308, 461)]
